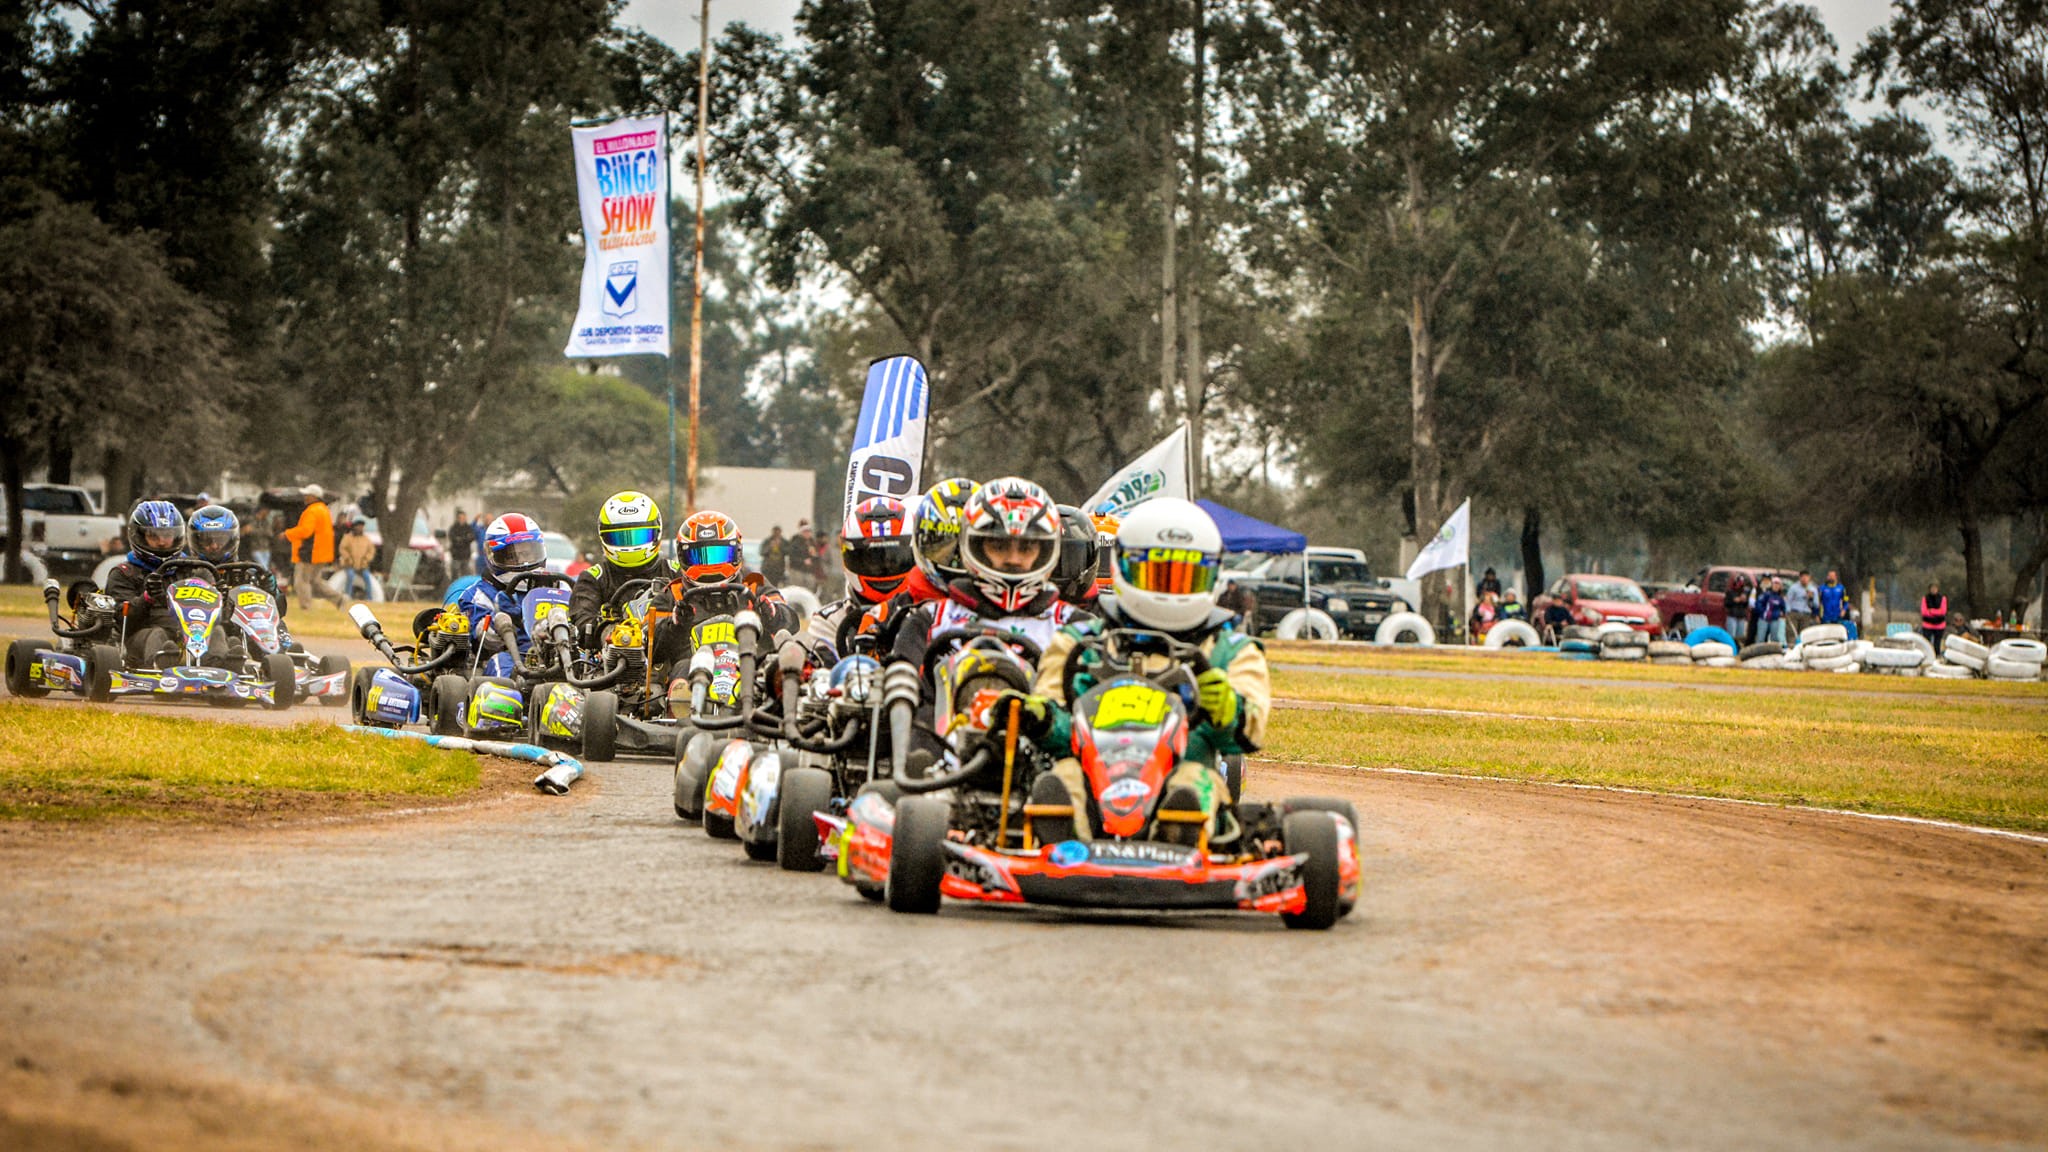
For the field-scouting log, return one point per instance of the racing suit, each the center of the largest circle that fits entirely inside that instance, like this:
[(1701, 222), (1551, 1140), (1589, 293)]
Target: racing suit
[(1037, 622), (597, 590), (1237, 655), (671, 641), (483, 599), (144, 608)]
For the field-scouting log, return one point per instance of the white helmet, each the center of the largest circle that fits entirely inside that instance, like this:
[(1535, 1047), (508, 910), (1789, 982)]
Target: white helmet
[(1169, 554), (1009, 541)]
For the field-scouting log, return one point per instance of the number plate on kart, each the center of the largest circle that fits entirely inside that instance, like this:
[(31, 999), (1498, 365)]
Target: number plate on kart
[(197, 592), (714, 632), (1131, 705)]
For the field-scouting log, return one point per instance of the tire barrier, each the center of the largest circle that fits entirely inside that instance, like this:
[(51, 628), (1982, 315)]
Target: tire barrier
[(1965, 651), (1316, 622), (1944, 670), (1512, 634), (1719, 662), (1712, 650), (1767, 648), (1405, 624), (1814, 633), (1999, 667), (1710, 635), (1670, 649), (2022, 651), (561, 770), (1883, 656), (1769, 662)]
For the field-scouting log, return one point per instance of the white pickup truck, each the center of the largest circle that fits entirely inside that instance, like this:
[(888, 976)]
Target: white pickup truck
[(67, 534)]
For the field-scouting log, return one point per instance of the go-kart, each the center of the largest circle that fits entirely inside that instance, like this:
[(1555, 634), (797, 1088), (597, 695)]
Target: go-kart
[(199, 662), (256, 630), (613, 701), (87, 640), (404, 692), (963, 832)]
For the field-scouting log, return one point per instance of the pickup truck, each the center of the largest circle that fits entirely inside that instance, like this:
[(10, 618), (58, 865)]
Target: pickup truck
[(1706, 594), (1339, 583), (65, 528)]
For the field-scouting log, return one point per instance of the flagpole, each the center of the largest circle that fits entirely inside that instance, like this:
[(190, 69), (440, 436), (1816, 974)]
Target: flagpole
[(668, 362), (697, 271)]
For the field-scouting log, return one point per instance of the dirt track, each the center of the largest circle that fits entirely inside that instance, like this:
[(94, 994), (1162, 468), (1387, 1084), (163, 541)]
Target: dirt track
[(1531, 967)]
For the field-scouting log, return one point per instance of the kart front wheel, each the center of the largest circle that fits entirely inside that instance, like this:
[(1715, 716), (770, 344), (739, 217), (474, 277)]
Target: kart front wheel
[(99, 673), (284, 679), (692, 763), (1313, 834), (600, 726), (804, 791), (917, 854), (329, 665), (21, 657), (450, 691)]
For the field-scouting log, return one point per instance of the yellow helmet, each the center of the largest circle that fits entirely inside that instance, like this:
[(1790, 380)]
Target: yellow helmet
[(629, 529)]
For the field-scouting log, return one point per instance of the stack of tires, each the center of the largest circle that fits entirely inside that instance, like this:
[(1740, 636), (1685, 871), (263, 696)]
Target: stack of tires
[(1621, 642), (1825, 648), (1906, 654), (2015, 660), (1579, 641), (1767, 656), (1670, 652)]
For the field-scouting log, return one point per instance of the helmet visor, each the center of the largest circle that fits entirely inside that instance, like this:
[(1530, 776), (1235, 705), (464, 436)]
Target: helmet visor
[(1011, 555), (518, 555), (1171, 571), (631, 536), (712, 555), (214, 544), (160, 540), (882, 557)]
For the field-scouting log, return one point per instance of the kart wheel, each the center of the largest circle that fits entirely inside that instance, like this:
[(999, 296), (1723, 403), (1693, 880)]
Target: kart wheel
[(359, 694), (869, 890), (99, 673), (917, 854), (804, 791), (600, 726), (450, 691), (329, 665), (21, 656), (1313, 834), (758, 851), (284, 680), (536, 707), (718, 825), (1344, 808), (692, 765)]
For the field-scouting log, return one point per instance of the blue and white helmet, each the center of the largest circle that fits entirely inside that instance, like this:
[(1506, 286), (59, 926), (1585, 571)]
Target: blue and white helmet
[(156, 532), (214, 535)]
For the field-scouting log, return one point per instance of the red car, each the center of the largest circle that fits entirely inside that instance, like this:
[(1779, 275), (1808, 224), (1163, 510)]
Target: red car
[(1595, 599)]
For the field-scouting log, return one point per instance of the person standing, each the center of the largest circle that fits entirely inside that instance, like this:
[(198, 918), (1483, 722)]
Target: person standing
[(1736, 601), (312, 541), (775, 557), (1767, 614), (1834, 600), (1490, 582), (357, 553), (803, 552), (1802, 604), (461, 542), (1934, 615)]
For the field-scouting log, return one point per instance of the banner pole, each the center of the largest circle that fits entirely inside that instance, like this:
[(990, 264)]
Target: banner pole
[(697, 272), (668, 362)]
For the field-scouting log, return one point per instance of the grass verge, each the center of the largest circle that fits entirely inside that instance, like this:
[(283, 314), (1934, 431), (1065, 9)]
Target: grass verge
[(78, 763), (1973, 759)]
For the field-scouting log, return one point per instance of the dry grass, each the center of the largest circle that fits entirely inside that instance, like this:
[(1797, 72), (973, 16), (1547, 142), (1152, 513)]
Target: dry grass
[(75, 762)]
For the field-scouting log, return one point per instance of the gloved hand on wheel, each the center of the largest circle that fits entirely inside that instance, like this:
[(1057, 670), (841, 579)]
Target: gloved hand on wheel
[(153, 588), (1034, 715), (1214, 693)]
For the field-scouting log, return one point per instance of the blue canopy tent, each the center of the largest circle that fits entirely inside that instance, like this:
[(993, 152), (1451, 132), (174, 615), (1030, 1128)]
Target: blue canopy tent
[(1242, 533)]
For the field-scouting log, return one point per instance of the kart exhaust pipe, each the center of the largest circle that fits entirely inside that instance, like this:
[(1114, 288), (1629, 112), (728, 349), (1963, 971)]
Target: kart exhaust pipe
[(901, 689), (789, 664)]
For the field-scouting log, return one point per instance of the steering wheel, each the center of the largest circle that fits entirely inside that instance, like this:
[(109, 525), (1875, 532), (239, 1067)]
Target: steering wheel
[(945, 643)]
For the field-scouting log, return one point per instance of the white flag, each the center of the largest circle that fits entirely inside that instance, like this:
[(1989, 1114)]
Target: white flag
[(1452, 546), (888, 440), (1162, 471), (622, 183)]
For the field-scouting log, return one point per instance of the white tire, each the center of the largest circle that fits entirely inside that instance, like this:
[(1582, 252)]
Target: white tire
[(1512, 634), (1912, 640), (1880, 656), (1965, 651), (804, 601), (1834, 663), (106, 568), (1999, 668), (1813, 632), (1628, 639), (1720, 662), (1946, 671), (1622, 652), (1672, 661), (1765, 663), (2022, 651), (33, 565), (1315, 622), (1611, 628), (1405, 624), (1663, 648), (1712, 650), (1825, 650)]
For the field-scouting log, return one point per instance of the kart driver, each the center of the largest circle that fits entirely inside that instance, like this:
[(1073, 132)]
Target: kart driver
[(156, 533), (709, 554), (935, 551), (511, 545), (1167, 556), (875, 549), (629, 531), (1080, 555), (214, 534)]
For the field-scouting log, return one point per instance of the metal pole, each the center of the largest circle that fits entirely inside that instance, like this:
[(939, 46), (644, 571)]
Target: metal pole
[(697, 273), (668, 362)]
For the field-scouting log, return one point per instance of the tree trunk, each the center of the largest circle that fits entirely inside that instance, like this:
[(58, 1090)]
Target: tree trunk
[(11, 453), (1197, 368), (1532, 553), (60, 459), (119, 475), (412, 492), (1976, 594), (2027, 574), (1169, 320)]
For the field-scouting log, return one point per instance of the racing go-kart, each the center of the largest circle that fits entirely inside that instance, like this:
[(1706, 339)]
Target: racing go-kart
[(210, 658), (86, 641)]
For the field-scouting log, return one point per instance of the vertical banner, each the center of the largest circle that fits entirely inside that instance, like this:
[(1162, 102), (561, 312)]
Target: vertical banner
[(888, 440), (622, 184), (1161, 471)]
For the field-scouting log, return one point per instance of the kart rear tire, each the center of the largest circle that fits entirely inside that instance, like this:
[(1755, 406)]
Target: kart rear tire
[(21, 656), (99, 673), (451, 691), (759, 850), (692, 762), (804, 791), (1307, 832), (1344, 808), (600, 726), (284, 680), (328, 666), (917, 854), (359, 693), (718, 825)]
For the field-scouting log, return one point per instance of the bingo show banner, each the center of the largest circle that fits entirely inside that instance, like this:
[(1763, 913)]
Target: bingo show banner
[(622, 183)]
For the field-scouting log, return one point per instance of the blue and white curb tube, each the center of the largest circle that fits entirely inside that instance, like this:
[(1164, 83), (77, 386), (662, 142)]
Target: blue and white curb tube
[(561, 771)]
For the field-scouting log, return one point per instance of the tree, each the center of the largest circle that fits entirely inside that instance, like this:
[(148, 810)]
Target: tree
[(101, 347)]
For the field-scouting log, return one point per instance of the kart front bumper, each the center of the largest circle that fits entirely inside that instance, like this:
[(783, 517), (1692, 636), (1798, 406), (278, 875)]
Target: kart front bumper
[(189, 682)]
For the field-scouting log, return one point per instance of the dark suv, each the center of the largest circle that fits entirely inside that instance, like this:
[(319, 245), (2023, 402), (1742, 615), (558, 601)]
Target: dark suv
[(1344, 588)]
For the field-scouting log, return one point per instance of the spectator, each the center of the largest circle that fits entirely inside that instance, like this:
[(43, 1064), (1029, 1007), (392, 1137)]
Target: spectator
[(256, 538), (1484, 616), (1834, 600), (1556, 618), (312, 540), (803, 554), (356, 554), (477, 525), (1489, 583), (1802, 604), (1511, 607), (775, 557), (1736, 601), (1934, 615), (461, 542), (1767, 613)]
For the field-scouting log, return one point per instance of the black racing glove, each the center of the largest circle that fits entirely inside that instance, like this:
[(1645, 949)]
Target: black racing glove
[(1034, 715)]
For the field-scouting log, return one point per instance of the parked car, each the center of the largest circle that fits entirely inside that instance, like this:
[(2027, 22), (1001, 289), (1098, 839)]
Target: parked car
[(561, 552), (68, 534), (1339, 583), (1596, 599), (1706, 596)]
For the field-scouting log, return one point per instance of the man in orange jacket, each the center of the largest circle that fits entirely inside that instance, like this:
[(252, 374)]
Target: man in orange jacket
[(313, 548)]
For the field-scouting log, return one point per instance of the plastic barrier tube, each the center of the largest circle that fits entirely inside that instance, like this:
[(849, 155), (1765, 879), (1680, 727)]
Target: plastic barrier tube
[(561, 770)]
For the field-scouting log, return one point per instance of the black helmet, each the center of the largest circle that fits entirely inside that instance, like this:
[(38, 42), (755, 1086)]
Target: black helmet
[(156, 530), (1080, 556)]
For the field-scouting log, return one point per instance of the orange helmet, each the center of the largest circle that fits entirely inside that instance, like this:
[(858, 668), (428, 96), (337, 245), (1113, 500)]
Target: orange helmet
[(708, 548)]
